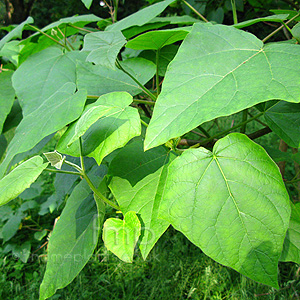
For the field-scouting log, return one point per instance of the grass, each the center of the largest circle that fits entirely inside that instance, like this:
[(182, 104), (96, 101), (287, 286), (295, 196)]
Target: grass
[(175, 269)]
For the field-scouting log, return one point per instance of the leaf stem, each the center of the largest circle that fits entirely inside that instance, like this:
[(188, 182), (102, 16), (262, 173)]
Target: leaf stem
[(235, 19), (144, 123), (82, 29), (227, 131), (47, 35), (62, 171), (144, 101), (203, 131), (153, 97), (73, 166), (195, 11), (65, 38), (245, 115), (280, 27), (157, 76), (81, 156), (98, 193)]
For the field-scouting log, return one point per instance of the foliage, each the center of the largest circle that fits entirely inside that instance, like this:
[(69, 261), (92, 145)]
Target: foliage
[(137, 131)]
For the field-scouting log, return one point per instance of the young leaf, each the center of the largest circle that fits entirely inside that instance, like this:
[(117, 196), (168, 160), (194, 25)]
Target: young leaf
[(16, 32), (214, 77), (73, 240), (105, 125), (232, 203), (87, 3), (99, 80), (141, 17), (55, 159), (291, 246), (104, 47), (121, 236), (284, 119), (20, 178), (7, 96)]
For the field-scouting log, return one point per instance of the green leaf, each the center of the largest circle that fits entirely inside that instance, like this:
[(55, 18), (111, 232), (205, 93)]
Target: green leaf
[(139, 187), (55, 159), (73, 240), (60, 109), (16, 32), (42, 74), (141, 17), (22, 251), (39, 235), (275, 18), (99, 80), (11, 226), (296, 32), (121, 236), (10, 51), (133, 163), (291, 246), (104, 47), (155, 40), (232, 203), (87, 3), (7, 96), (3, 145), (177, 20), (166, 55), (214, 77), (284, 119), (20, 178), (116, 124)]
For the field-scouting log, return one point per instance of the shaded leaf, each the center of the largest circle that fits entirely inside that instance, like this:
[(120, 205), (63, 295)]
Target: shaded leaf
[(284, 119), (275, 18), (121, 236), (210, 78), (73, 240), (232, 203), (22, 251), (291, 246), (20, 178), (11, 227), (7, 96), (99, 80)]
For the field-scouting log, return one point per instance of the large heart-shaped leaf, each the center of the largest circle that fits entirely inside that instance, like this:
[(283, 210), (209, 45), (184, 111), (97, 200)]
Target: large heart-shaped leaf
[(54, 113), (7, 96), (284, 119), (232, 203), (42, 74), (73, 239), (141, 17), (104, 47), (105, 125), (99, 80), (121, 236), (20, 178), (218, 71), (291, 246)]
